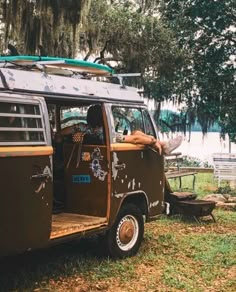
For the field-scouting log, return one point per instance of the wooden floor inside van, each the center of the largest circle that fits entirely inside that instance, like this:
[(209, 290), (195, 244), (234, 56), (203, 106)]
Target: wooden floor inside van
[(66, 223)]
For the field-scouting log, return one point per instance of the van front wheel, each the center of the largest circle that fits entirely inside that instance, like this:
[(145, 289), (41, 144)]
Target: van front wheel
[(125, 236)]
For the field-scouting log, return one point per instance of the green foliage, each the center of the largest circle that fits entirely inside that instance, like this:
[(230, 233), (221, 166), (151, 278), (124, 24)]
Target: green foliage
[(205, 30), (172, 121), (184, 49), (54, 25), (225, 189), (189, 161), (134, 39), (126, 34)]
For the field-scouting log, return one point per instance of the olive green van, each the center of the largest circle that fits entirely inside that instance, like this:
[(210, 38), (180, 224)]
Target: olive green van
[(55, 188)]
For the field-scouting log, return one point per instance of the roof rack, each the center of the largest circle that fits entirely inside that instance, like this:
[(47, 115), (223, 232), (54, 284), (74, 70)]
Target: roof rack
[(121, 77)]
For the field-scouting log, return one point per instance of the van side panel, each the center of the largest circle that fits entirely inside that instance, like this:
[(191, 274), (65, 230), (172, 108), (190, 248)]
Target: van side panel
[(142, 172), (26, 202)]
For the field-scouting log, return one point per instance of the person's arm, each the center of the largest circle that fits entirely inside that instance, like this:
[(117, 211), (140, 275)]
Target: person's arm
[(80, 127), (139, 137)]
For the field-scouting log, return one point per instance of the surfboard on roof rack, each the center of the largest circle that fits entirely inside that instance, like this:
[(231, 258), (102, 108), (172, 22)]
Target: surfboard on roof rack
[(56, 65)]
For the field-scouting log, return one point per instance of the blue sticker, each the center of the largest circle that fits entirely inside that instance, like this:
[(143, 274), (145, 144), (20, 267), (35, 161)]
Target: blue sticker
[(81, 179)]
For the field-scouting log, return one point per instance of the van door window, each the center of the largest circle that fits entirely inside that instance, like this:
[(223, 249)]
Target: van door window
[(127, 120), (21, 123), (149, 129)]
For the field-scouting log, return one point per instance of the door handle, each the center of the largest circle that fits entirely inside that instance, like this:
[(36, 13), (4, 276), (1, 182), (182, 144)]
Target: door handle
[(40, 176), (120, 166), (45, 175)]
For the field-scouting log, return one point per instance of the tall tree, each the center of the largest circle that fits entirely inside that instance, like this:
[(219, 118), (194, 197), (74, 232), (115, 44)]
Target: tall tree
[(185, 49), (129, 33), (44, 26), (206, 31)]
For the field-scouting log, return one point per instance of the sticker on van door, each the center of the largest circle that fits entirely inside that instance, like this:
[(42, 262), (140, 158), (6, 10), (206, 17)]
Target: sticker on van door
[(86, 156), (81, 179), (95, 165)]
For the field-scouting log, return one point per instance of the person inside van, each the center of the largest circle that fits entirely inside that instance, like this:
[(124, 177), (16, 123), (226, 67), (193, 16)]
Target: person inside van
[(93, 131), (138, 137)]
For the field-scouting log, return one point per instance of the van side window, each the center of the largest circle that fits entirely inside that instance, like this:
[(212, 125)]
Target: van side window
[(21, 123), (127, 120)]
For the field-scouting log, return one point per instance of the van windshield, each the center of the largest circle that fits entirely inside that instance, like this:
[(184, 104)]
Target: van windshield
[(73, 115)]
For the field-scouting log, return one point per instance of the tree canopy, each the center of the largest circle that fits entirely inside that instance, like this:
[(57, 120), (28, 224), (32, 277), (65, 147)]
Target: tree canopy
[(44, 26), (185, 50), (206, 30)]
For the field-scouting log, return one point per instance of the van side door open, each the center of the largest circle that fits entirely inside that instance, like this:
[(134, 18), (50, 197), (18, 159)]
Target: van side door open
[(80, 168)]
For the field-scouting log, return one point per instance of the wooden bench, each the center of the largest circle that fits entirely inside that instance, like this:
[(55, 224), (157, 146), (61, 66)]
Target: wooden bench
[(176, 172), (225, 167)]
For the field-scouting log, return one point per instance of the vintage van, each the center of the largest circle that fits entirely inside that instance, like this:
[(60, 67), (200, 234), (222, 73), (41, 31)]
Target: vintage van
[(54, 190)]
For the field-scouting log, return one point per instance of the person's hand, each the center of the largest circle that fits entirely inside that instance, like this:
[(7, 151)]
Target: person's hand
[(157, 146)]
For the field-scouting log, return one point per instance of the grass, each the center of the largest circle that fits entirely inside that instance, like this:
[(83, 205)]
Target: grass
[(176, 255)]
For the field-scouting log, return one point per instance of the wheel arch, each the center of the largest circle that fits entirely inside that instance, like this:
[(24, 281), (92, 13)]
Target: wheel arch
[(139, 199)]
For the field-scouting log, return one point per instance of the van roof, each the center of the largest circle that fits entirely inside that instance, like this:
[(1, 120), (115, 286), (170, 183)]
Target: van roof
[(49, 85)]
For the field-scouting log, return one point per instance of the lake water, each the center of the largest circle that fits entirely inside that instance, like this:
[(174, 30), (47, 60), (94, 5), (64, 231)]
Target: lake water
[(203, 147)]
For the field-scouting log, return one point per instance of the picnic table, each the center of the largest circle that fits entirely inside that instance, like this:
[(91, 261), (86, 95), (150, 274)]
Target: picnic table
[(177, 172)]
